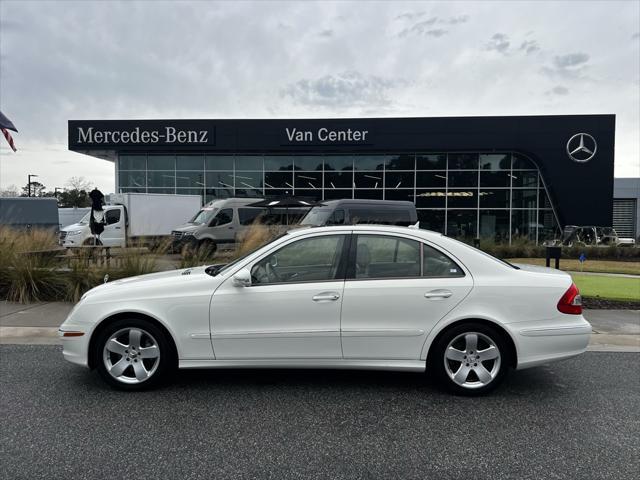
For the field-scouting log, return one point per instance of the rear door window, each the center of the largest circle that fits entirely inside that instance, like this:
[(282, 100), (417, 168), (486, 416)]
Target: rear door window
[(379, 256)]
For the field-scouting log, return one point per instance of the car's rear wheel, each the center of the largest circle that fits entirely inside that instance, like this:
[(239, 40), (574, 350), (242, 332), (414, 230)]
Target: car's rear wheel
[(470, 359), (133, 354)]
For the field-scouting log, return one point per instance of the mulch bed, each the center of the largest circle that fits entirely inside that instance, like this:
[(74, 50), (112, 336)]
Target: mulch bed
[(597, 303)]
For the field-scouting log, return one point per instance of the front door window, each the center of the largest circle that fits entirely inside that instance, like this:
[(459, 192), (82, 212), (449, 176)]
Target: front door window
[(313, 259)]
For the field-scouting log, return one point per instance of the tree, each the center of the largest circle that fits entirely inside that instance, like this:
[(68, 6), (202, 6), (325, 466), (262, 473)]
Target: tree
[(37, 190), (78, 183), (75, 194), (10, 191)]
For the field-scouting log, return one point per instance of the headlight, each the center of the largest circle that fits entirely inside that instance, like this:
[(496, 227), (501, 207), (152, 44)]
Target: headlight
[(186, 234), (74, 232)]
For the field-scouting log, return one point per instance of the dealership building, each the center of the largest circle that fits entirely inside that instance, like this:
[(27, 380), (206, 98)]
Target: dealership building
[(500, 178)]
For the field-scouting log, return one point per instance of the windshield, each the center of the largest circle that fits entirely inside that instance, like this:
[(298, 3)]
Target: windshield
[(216, 271), (204, 216), (317, 217), (85, 219)]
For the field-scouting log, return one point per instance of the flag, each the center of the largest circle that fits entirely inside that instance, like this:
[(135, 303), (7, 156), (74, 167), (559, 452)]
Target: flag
[(9, 138), (6, 123), (5, 126)]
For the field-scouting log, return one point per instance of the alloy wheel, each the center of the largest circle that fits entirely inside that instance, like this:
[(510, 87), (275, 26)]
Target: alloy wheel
[(472, 360), (131, 355)]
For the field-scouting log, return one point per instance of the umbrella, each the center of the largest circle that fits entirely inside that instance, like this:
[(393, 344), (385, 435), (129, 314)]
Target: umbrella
[(286, 203)]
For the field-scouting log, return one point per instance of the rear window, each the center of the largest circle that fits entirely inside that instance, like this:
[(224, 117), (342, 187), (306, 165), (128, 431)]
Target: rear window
[(385, 216)]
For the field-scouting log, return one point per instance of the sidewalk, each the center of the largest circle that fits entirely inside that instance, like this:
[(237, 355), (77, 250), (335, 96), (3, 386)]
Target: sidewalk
[(613, 330)]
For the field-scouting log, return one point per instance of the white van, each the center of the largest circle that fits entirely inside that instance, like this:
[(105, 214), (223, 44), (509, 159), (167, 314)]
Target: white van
[(133, 219), (227, 220)]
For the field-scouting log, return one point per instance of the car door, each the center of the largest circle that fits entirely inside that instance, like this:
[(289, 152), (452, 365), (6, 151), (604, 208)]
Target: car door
[(114, 228), (292, 307), (397, 289)]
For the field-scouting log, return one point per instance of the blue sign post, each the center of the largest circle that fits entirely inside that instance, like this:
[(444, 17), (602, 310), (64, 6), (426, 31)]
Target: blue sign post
[(582, 258)]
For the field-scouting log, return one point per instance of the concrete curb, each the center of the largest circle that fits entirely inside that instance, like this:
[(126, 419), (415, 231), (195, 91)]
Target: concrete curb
[(29, 335)]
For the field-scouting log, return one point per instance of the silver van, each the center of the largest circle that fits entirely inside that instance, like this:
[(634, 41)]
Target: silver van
[(228, 220)]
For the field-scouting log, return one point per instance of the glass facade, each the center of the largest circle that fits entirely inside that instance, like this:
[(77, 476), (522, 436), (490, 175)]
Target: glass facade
[(497, 196)]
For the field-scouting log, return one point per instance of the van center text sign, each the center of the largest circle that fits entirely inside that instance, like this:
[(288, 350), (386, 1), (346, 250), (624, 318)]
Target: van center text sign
[(106, 134)]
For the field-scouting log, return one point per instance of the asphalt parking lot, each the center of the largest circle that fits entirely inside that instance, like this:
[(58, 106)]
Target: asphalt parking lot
[(574, 419)]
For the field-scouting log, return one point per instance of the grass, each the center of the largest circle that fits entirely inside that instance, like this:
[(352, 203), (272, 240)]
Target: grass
[(611, 288), (596, 266)]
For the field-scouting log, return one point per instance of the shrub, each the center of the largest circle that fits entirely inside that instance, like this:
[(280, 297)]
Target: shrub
[(27, 266)]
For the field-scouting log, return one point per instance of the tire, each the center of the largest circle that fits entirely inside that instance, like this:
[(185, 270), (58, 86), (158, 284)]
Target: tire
[(149, 363), (479, 376)]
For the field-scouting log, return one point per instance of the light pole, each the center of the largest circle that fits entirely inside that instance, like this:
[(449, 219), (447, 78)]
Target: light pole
[(29, 183)]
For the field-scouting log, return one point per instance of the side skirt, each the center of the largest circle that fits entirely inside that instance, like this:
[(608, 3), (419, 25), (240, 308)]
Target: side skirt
[(314, 363)]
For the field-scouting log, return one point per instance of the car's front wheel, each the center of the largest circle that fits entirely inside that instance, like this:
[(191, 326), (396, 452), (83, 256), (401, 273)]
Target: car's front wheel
[(133, 354), (470, 359)]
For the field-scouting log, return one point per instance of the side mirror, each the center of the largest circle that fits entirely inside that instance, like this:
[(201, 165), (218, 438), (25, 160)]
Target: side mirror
[(242, 278)]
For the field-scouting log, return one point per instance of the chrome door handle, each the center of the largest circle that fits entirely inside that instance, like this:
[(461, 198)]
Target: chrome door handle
[(438, 294), (330, 296)]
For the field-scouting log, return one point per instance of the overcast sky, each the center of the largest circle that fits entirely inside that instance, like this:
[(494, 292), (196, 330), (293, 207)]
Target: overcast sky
[(111, 60)]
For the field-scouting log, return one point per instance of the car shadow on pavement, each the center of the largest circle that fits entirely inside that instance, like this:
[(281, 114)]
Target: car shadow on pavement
[(530, 382)]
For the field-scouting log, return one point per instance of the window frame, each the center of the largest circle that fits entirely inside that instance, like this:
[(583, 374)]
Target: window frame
[(343, 256), (351, 263)]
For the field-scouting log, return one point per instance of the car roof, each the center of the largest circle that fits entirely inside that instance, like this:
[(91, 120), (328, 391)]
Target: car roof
[(363, 201), (426, 234)]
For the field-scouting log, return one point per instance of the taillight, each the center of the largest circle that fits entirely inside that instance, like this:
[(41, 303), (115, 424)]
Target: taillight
[(571, 301)]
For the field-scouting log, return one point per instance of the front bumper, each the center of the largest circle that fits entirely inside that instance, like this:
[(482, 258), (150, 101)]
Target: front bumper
[(74, 348), (543, 342)]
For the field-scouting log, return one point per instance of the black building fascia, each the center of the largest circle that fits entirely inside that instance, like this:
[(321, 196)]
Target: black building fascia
[(582, 192)]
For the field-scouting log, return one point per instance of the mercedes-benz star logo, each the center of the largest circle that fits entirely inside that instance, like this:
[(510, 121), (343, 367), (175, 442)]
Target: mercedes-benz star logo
[(581, 147)]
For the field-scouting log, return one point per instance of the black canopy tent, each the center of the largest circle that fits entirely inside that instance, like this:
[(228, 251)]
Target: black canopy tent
[(286, 203)]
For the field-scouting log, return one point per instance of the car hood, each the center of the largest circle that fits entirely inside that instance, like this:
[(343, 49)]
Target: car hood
[(188, 227), (73, 226), (167, 283)]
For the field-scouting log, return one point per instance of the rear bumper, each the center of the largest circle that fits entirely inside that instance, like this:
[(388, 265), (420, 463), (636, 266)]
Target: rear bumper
[(544, 342)]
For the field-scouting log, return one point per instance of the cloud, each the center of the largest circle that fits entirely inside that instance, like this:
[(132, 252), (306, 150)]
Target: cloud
[(425, 27), (529, 46), (343, 90), (499, 42), (326, 33), (409, 15), (558, 90), (436, 32), (635, 36), (571, 66), (570, 60), (196, 59), (457, 20)]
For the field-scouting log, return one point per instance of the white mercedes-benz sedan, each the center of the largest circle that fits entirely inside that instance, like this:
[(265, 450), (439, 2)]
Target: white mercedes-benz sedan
[(356, 297)]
